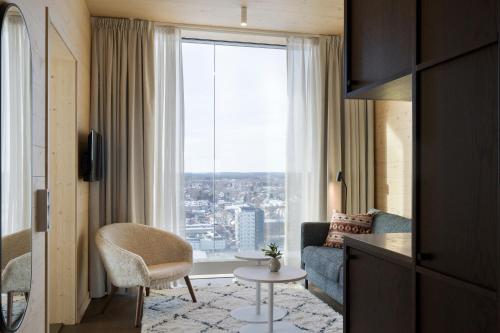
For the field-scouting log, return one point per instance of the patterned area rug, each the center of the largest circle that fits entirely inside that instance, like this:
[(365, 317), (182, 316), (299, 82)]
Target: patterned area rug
[(171, 310)]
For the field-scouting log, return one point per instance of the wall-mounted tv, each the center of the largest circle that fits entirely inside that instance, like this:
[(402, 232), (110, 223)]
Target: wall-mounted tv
[(91, 163)]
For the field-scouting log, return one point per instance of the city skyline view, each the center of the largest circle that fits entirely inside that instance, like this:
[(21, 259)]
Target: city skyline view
[(233, 212)]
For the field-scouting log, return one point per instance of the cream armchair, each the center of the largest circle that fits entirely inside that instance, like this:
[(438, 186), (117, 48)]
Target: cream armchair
[(16, 267), (135, 255)]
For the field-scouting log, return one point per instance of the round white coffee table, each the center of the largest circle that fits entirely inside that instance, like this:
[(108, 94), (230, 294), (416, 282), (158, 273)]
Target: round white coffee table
[(258, 313), (263, 275)]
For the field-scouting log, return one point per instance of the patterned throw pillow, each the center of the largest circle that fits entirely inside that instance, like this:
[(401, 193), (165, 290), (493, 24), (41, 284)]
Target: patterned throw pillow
[(342, 224)]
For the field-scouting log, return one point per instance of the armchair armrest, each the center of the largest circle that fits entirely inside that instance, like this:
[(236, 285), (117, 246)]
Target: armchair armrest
[(17, 274), (312, 234), (125, 269)]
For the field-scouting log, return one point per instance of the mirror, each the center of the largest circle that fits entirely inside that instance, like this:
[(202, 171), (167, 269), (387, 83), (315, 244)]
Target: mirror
[(15, 161)]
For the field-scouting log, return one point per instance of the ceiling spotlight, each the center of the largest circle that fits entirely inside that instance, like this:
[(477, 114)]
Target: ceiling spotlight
[(243, 16)]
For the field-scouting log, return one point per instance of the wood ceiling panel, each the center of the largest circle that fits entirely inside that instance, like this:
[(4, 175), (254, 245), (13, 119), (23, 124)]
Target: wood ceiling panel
[(304, 16)]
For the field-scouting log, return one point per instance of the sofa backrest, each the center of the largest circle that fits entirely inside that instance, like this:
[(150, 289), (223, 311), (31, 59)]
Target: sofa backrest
[(389, 223)]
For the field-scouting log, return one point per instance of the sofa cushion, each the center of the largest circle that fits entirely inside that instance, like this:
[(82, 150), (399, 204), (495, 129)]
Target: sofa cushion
[(342, 224), (327, 285), (323, 260), (384, 223)]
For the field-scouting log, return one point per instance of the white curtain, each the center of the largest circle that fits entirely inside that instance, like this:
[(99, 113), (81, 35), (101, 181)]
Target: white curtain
[(314, 76), (16, 126), (168, 185)]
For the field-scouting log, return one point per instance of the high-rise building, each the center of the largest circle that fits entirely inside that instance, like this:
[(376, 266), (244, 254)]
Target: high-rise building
[(249, 228)]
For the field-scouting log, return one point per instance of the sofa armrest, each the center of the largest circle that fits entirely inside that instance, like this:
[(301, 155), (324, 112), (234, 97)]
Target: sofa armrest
[(312, 234)]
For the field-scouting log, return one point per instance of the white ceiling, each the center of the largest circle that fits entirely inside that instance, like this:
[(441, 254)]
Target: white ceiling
[(304, 16)]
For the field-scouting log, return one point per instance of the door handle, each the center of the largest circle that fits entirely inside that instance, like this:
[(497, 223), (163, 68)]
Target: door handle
[(42, 210)]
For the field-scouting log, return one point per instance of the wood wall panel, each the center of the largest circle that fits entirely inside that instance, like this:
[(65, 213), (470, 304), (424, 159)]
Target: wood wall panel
[(393, 157), (72, 20)]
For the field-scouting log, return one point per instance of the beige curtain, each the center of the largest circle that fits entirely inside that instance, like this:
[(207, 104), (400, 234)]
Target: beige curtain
[(359, 155), (122, 110), (333, 52)]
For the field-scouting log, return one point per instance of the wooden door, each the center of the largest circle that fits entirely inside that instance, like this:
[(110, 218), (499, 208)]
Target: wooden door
[(62, 181)]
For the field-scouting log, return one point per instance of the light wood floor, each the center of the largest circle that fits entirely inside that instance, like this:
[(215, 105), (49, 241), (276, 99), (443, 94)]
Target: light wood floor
[(120, 314)]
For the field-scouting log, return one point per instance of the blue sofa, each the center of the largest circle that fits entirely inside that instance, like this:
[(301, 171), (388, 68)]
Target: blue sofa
[(324, 265)]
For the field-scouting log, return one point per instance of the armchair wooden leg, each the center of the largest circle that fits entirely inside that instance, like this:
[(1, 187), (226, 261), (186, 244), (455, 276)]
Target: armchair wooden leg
[(138, 308), (147, 291), (108, 299), (190, 287), (10, 304)]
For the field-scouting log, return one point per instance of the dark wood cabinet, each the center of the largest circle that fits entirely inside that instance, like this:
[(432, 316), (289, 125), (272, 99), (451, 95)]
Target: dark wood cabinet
[(378, 284), (450, 49), (450, 27), (447, 307), (379, 45), (458, 164)]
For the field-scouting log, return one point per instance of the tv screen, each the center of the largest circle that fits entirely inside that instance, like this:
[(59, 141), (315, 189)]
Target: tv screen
[(92, 158)]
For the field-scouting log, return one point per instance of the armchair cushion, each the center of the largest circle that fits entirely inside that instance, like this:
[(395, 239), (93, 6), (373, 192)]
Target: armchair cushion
[(162, 274)]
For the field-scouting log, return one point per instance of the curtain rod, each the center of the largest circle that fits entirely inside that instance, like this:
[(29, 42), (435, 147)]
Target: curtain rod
[(214, 28), (261, 32)]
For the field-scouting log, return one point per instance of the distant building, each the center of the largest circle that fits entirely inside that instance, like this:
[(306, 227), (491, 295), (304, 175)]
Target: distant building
[(249, 228), (274, 232)]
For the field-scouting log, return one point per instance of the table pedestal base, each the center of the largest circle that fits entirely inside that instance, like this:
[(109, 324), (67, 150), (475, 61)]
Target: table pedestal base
[(249, 314), (279, 327)]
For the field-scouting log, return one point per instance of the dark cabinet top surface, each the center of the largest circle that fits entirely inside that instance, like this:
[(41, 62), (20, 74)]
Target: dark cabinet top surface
[(395, 246)]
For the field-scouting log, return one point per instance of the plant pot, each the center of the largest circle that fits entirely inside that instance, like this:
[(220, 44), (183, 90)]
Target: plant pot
[(274, 265)]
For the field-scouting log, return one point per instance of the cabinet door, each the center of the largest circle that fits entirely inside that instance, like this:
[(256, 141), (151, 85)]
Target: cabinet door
[(450, 27), (379, 40), (444, 307), (457, 126), (378, 295)]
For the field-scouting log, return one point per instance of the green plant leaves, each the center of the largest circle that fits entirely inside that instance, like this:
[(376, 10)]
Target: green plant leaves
[(272, 251)]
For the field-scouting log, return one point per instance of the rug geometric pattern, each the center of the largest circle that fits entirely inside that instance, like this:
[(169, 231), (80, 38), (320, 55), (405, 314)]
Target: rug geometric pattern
[(171, 310)]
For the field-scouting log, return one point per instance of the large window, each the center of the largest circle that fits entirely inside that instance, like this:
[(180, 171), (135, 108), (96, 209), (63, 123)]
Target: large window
[(235, 123)]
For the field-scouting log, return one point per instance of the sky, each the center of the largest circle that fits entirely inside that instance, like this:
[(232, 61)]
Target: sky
[(235, 120)]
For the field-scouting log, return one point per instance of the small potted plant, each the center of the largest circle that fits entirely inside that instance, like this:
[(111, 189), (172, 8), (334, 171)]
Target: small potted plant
[(272, 251)]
